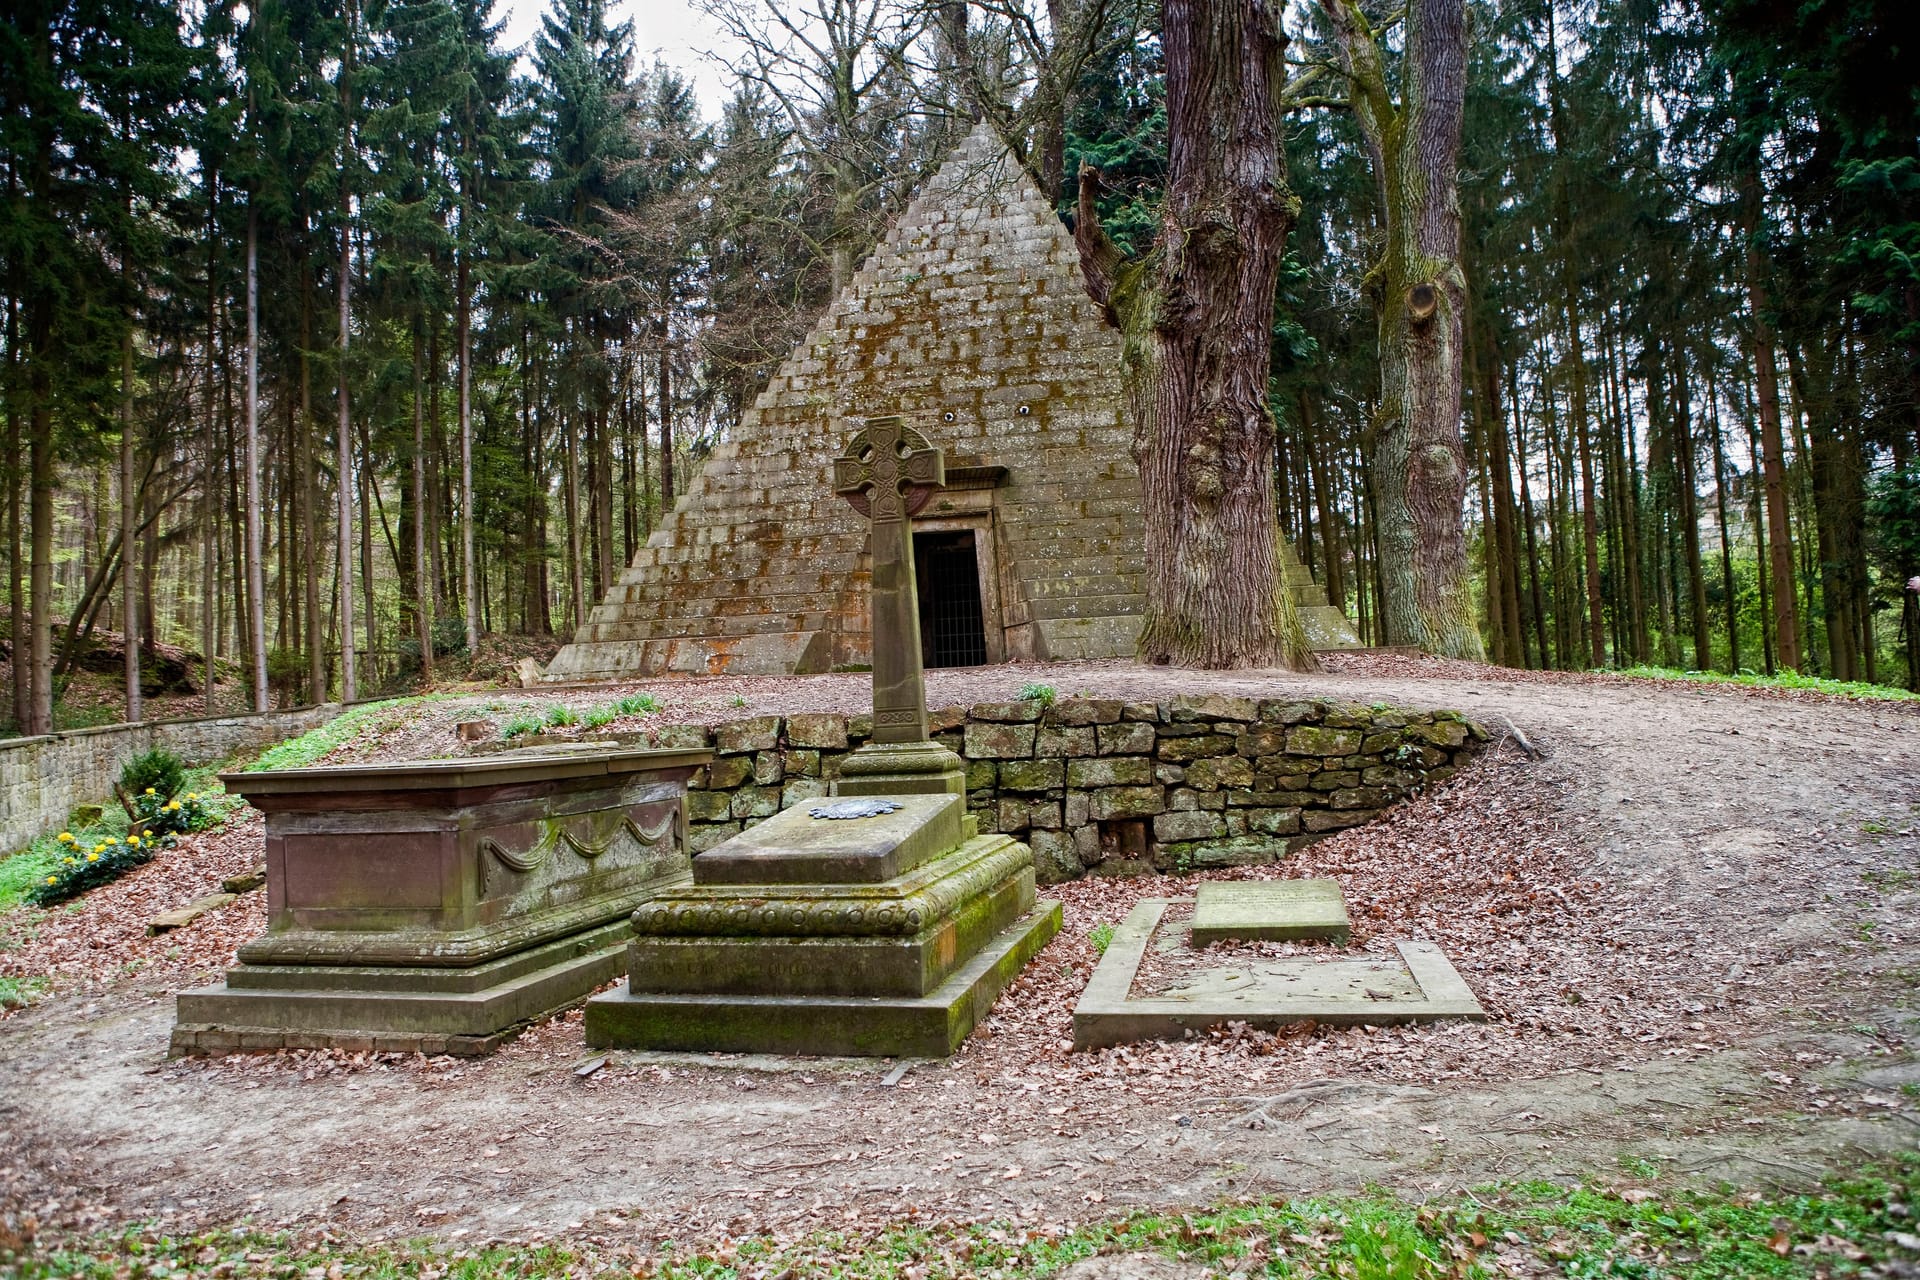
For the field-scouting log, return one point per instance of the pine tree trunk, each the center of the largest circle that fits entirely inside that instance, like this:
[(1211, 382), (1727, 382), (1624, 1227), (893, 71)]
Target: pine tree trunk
[(1726, 530), (1687, 477), (1567, 236), (422, 583), (1535, 596), (468, 583), (1773, 449), (575, 587), (1195, 318), (210, 531), (129, 522), (1329, 525), (307, 485), (344, 450), (667, 494), (256, 570), (1508, 552), (18, 645)]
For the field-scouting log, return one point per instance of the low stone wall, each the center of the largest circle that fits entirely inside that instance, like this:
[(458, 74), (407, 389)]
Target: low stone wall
[(43, 779), (1109, 786)]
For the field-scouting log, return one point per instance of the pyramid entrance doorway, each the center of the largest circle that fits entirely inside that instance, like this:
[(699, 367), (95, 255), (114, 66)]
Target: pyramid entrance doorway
[(953, 629)]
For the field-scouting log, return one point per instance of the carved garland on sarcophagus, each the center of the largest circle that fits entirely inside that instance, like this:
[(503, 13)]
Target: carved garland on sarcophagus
[(588, 835)]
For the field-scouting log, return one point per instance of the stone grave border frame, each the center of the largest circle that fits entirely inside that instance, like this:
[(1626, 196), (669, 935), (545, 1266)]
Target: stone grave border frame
[(1105, 1015)]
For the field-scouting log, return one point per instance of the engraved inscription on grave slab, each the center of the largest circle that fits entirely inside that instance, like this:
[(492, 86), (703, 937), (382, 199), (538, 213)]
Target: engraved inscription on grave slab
[(1270, 911)]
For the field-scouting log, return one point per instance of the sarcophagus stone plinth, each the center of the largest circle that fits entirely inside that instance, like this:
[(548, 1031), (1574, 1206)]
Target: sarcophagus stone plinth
[(440, 905)]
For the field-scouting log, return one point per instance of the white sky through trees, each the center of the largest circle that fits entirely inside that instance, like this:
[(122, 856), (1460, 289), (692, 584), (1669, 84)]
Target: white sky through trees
[(673, 30)]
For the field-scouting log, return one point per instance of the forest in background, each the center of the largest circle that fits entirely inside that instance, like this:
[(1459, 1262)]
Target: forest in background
[(505, 300)]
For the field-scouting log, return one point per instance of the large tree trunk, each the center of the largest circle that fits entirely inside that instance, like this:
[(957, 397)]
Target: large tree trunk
[(1419, 293), (1196, 317)]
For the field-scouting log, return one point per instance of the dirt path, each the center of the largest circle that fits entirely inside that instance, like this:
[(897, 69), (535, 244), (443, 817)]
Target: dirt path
[(1696, 920)]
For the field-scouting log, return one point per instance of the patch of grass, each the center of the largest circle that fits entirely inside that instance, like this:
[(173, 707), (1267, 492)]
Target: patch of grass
[(737, 701), (1041, 693), (520, 725), (18, 993), (1780, 680), (561, 716), (1101, 936), (1582, 1232), (29, 868), (637, 704), (600, 717), (25, 870), (316, 744)]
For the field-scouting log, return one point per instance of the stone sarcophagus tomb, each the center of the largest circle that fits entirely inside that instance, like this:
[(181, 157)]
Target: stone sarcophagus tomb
[(440, 905), (880, 922)]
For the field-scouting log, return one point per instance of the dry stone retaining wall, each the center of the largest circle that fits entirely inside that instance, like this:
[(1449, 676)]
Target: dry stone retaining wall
[(1111, 786), (43, 779)]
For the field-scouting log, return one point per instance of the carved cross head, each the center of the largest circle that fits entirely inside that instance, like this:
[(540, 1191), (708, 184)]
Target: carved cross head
[(889, 470)]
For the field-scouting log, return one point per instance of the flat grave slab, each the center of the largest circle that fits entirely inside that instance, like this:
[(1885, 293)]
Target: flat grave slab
[(1420, 985), (794, 847), (1270, 911)]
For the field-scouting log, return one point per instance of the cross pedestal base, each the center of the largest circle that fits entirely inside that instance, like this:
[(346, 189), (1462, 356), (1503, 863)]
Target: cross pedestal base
[(902, 769), (889, 934)]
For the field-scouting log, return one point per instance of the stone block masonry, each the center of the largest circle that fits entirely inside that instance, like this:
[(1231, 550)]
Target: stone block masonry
[(1113, 787), (44, 779)]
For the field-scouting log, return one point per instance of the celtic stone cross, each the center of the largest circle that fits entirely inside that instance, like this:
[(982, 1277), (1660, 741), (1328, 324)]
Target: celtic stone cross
[(888, 473)]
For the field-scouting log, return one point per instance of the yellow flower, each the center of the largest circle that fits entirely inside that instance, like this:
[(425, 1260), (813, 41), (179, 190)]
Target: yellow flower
[(93, 857), (53, 879), (133, 841), (149, 790), (99, 848), (67, 862), (174, 807), (193, 795), (66, 837)]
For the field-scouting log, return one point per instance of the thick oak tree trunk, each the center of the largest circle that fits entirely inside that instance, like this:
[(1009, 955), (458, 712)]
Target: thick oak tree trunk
[(1196, 316), (1419, 292)]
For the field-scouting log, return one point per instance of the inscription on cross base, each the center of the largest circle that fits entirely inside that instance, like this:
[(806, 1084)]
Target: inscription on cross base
[(888, 473)]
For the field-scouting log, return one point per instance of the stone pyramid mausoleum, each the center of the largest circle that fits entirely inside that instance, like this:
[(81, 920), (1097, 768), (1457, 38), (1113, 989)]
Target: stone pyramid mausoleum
[(970, 319)]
